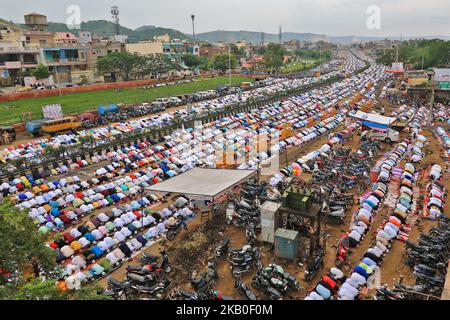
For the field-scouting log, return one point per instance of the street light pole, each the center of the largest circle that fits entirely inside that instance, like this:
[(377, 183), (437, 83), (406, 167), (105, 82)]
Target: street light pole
[(193, 26), (229, 63), (57, 79), (320, 59)]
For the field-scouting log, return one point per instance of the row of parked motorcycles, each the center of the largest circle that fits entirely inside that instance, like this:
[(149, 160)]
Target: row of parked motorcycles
[(429, 258), (146, 281), (342, 172), (245, 210), (121, 115), (272, 281), (345, 168)]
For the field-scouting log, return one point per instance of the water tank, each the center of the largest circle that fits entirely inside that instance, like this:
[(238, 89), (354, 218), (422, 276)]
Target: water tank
[(108, 108), (286, 244)]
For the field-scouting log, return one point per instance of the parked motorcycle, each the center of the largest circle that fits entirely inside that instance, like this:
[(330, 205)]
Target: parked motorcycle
[(315, 266), (205, 280), (173, 230), (261, 283), (222, 248), (244, 290), (119, 290)]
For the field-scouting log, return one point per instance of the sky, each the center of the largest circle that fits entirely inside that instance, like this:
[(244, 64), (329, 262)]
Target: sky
[(330, 17)]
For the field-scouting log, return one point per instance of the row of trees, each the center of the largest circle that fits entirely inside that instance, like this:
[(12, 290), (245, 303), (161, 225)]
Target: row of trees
[(28, 270), (313, 54), (134, 66), (219, 62), (433, 53)]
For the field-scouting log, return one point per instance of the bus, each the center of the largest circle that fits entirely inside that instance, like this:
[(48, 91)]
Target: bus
[(64, 124)]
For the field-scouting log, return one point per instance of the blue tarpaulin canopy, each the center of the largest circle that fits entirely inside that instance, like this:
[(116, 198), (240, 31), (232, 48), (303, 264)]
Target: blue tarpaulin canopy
[(372, 120), (375, 126)]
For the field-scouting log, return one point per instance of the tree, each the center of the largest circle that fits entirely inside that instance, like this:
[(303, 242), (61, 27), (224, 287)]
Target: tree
[(221, 62), (23, 73), (191, 60), (28, 269), (21, 246), (435, 53), (238, 52), (156, 64), (124, 64), (274, 58), (41, 72), (84, 79)]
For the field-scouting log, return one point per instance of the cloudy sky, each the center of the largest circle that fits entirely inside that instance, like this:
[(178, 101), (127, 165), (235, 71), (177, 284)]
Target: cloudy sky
[(331, 17)]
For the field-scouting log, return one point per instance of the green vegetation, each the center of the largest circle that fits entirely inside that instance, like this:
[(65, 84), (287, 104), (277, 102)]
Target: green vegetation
[(274, 57), (41, 72), (297, 66), (435, 53), (238, 52), (134, 66), (221, 62), (79, 102), (28, 270), (313, 54), (191, 60)]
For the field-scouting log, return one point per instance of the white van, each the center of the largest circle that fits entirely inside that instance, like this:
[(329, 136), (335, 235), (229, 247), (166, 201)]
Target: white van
[(387, 136)]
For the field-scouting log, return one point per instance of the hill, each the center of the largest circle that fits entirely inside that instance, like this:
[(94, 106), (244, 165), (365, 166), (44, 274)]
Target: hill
[(255, 37), (106, 28)]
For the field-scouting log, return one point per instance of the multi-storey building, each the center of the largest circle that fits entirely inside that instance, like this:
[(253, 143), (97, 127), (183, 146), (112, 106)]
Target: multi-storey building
[(16, 53)]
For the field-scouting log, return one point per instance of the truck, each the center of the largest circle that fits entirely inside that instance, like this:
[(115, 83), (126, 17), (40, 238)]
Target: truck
[(390, 135), (110, 108), (34, 127)]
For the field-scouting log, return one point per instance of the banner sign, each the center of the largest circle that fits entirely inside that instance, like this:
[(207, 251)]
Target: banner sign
[(52, 111)]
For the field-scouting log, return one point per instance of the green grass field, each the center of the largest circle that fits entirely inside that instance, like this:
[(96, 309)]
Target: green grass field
[(80, 102)]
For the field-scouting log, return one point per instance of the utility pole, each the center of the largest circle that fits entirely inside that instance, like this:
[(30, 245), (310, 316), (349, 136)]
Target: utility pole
[(280, 37)]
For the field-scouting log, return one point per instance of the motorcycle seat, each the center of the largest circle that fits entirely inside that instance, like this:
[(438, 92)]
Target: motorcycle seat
[(139, 278), (119, 285), (150, 257), (175, 226), (134, 268)]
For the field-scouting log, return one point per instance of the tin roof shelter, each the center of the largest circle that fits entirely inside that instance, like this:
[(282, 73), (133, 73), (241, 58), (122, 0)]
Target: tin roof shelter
[(203, 183), (372, 120)]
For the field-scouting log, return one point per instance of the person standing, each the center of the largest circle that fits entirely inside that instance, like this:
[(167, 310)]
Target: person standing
[(6, 137)]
